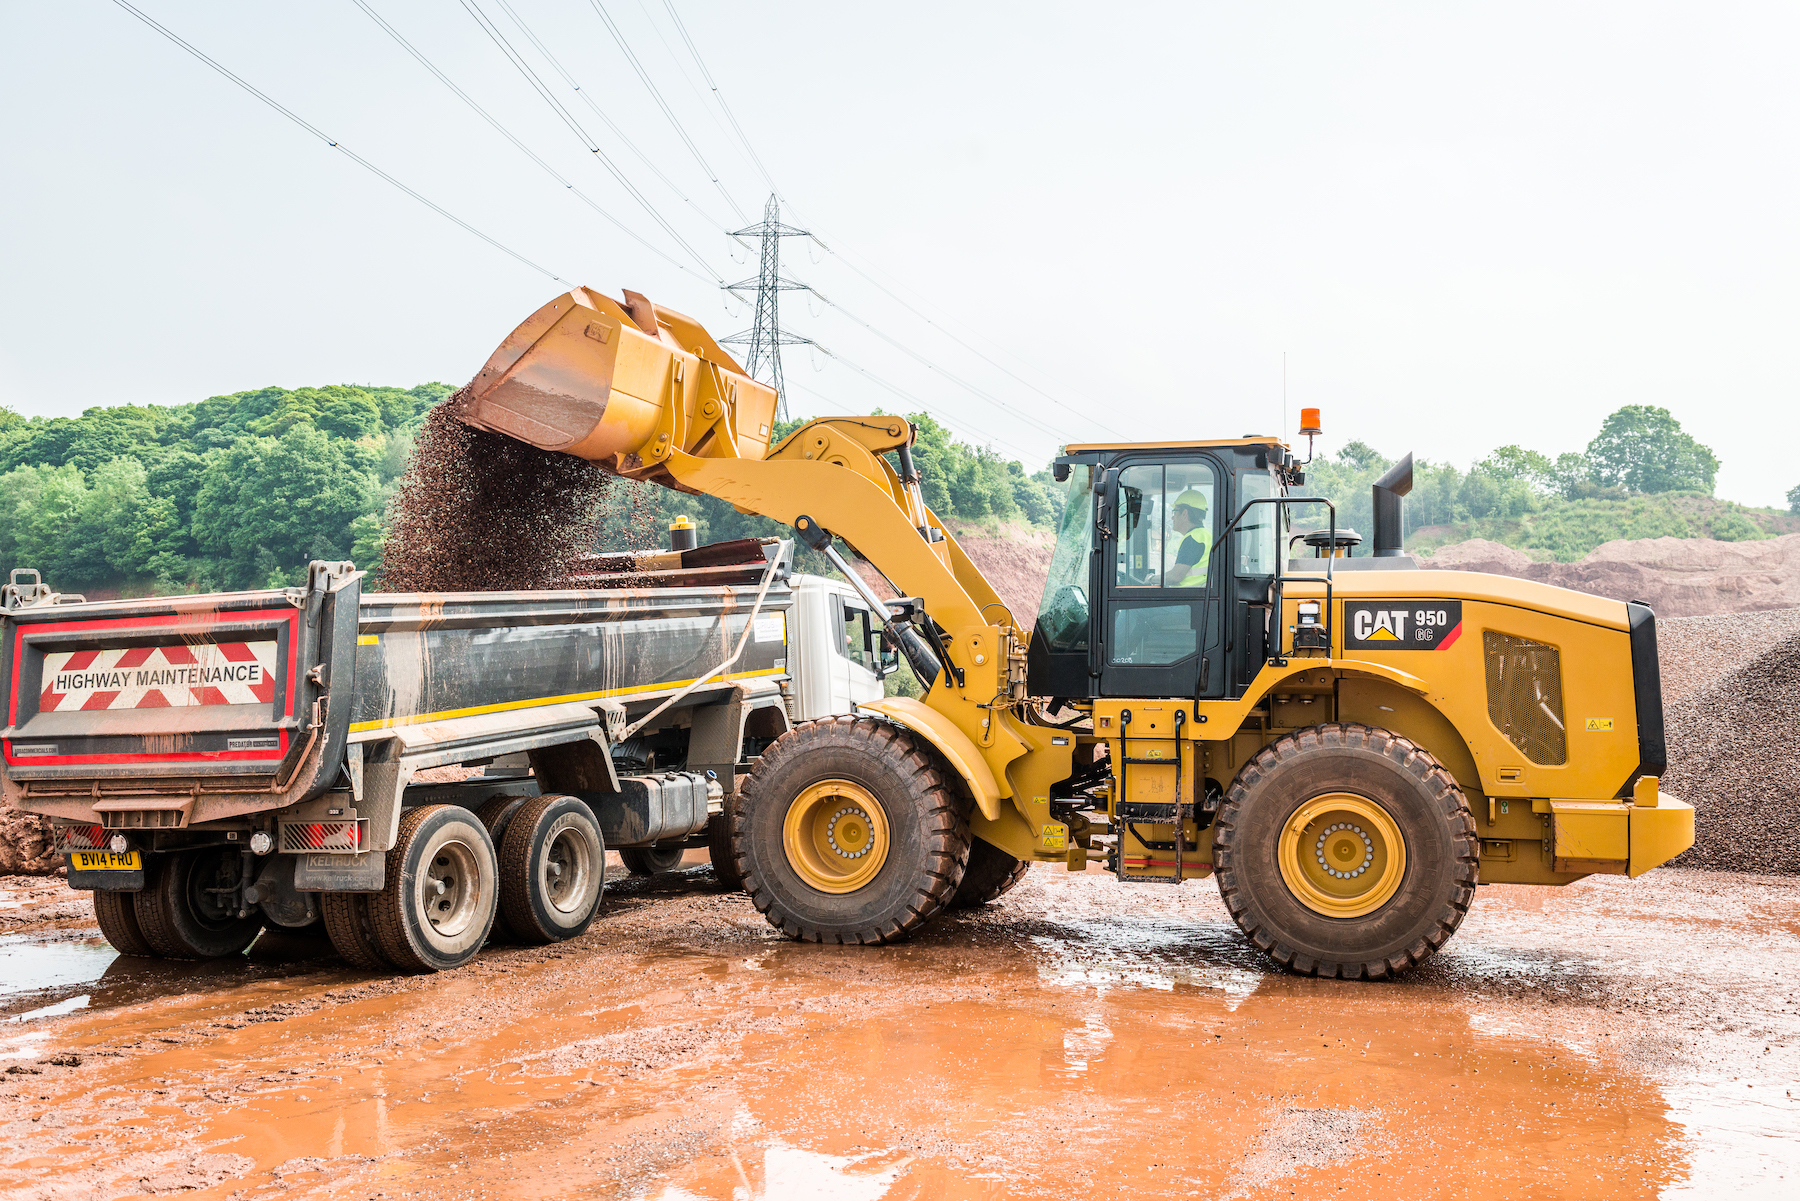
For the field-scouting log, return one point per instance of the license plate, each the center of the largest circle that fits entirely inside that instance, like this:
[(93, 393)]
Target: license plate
[(105, 861)]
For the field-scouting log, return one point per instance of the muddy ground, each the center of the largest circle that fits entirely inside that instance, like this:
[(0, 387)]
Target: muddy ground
[(1612, 1039)]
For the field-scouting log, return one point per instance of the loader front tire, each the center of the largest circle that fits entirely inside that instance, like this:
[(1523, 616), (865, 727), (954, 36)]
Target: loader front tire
[(992, 874), (848, 831), (1346, 851), (442, 891)]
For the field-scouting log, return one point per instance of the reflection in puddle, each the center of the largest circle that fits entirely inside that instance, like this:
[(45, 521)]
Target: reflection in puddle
[(31, 965), (780, 1171), (52, 1011)]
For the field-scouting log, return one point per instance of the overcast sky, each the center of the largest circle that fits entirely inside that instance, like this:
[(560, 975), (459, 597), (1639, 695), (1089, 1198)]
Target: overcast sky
[(1464, 225)]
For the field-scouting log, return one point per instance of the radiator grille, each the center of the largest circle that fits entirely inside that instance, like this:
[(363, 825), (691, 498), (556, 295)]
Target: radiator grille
[(1524, 689)]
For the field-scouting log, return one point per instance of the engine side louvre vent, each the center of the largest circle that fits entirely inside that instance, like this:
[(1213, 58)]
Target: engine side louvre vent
[(1524, 691)]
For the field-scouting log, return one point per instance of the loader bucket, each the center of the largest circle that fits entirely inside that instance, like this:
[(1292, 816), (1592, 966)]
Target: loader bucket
[(619, 384)]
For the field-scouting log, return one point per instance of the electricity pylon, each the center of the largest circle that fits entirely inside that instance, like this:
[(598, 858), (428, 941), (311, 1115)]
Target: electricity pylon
[(765, 337)]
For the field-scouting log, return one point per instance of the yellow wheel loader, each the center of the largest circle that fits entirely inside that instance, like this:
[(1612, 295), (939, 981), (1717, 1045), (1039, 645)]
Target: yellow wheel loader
[(1349, 744)]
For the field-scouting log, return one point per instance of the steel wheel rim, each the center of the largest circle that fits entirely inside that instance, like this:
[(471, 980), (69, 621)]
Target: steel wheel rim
[(566, 872), (1342, 855), (836, 836), (450, 888)]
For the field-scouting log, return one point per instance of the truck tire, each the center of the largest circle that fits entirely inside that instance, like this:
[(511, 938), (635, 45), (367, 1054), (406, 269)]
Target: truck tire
[(180, 919), (552, 869), (1345, 850), (352, 933), (848, 831), (496, 813), (722, 849), (442, 891), (991, 875), (117, 913), (651, 861)]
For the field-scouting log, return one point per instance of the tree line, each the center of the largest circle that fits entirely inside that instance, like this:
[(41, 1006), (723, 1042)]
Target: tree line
[(241, 491)]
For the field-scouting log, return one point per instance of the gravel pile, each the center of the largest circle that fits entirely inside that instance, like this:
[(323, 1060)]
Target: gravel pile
[(1734, 754), (1695, 651), (478, 511)]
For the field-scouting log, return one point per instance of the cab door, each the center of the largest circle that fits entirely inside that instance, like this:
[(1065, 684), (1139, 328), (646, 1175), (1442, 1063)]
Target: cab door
[(1162, 610)]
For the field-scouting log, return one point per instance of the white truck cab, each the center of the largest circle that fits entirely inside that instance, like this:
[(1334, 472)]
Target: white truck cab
[(837, 661)]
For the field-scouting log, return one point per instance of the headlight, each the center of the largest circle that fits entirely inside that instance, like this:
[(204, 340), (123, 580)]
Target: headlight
[(261, 843)]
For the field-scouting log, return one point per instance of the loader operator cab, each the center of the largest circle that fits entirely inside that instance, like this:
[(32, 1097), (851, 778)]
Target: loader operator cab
[(1138, 600)]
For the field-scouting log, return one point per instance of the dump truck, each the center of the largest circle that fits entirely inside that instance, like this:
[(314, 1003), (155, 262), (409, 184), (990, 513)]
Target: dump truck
[(216, 764), (1348, 745)]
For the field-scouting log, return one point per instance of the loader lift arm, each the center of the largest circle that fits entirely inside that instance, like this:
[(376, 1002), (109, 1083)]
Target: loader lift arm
[(648, 394)]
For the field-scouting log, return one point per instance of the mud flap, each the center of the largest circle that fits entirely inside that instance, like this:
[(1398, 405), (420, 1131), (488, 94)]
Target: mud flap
[(319, 871), (108, 881)]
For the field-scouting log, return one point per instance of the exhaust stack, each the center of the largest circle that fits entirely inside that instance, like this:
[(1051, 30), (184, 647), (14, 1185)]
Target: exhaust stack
[(1389, 535)]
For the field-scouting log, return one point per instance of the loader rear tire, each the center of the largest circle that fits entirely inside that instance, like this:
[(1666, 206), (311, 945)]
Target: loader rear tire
[(352, 933), (1346, 850), (849, 831), (181, 918), (651, 861), (442, 891), (552, 869), (992, 874), (117, 913)]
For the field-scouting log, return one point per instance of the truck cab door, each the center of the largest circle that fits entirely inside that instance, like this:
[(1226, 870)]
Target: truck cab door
[(1160, 588)]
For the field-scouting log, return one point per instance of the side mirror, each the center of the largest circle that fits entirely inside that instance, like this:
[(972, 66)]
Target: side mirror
[(1059, 472), (1106, 501)]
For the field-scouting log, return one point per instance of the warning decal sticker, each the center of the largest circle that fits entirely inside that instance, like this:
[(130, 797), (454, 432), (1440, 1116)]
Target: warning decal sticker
[(159, 677), (1402, 625)]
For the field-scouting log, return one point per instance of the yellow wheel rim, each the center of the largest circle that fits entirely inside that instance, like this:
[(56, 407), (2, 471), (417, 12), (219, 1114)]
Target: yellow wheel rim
[(836, 836), (1342, 855)]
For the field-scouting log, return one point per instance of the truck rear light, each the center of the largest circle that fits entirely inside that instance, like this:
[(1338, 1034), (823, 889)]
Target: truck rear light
[(80, 838), (323, 836)]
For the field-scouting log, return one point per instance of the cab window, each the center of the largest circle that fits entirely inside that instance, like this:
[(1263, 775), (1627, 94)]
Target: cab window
[(1166, 525), (858, 643)]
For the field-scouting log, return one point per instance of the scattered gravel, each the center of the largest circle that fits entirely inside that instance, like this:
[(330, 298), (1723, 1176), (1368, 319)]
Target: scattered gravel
[(1695, 651), (1734, 754), (477, 510)]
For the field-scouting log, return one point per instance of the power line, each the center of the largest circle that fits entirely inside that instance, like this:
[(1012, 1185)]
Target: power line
[(718, 95), (950, 423), (1085, 414), (599, 112), (587, 140), (632, 58), (522, 147), (316, 132)]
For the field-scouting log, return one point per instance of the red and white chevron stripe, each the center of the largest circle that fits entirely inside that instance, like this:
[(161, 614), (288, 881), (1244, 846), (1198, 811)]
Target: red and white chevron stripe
[(159, 677)]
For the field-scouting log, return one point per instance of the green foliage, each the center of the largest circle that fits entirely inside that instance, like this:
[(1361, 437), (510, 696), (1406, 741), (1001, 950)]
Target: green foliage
[(1642, 477), (1793, 499), (231, 491), (1642, 448)]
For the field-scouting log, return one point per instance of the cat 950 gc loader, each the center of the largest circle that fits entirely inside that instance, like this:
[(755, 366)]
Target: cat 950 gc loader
[(1350, 745)]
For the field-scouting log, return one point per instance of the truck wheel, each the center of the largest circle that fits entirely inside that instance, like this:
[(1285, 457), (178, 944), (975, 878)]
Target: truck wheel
[(651, 861), (991, 875), (180, 915), (1344, 850), (352, 933), (496, 814), (552, 869), (847, 831), (722, 849), (441, 893), (117, 913)]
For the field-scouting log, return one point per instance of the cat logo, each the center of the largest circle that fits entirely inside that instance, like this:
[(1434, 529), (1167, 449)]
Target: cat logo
[(1379, 625), (1402, 625)]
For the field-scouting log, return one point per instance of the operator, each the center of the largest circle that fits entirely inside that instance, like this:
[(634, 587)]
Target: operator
[(1188, 516)]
